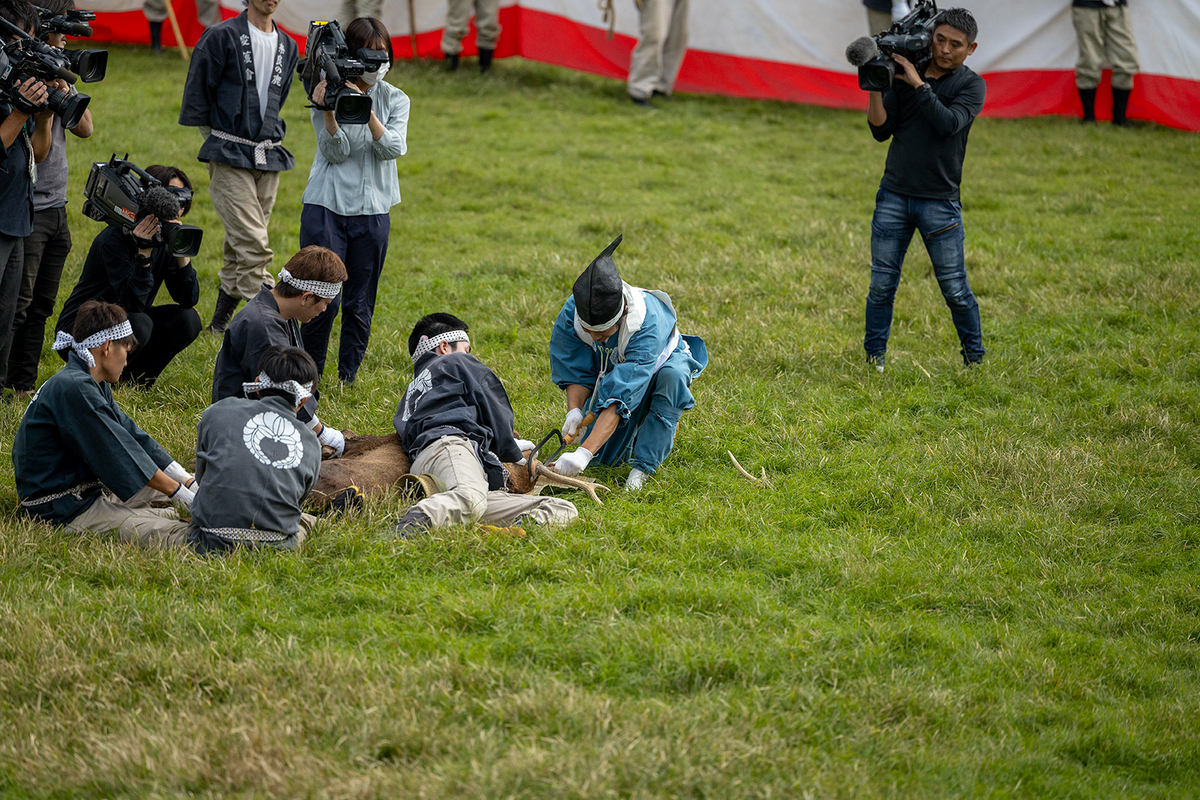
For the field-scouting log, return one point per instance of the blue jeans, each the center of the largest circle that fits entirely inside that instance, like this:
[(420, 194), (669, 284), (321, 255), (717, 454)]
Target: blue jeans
[(940, 224)]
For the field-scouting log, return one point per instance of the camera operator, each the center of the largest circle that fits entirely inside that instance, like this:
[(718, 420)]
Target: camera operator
[(47, 248), (127, 268), (20, 124), (927, 118), (347, 202), (238, 112)]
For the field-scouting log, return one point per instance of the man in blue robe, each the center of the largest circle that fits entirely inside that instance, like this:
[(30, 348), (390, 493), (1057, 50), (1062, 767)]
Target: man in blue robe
[(617, 352)]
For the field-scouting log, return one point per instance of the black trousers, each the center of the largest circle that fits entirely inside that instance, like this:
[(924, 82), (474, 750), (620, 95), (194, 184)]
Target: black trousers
[(46, 251), (12, 262), (163, 332)]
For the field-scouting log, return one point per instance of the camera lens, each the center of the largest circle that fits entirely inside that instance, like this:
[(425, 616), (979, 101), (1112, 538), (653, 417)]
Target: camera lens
[(69, 107)]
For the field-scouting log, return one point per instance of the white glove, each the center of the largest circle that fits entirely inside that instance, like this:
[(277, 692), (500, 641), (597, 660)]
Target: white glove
[(175, 471), (572, 422), (573, 463), (183, 495), (899, 10), (332, 438), (524, 445)]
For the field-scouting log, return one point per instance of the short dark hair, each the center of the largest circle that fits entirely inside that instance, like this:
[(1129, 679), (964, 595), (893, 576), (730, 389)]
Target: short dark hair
[(22, 14), (431, 325), (283, 363), (95, 316), (164, 174), (312, 263), (960, 19), (366, 31), (56, 7)]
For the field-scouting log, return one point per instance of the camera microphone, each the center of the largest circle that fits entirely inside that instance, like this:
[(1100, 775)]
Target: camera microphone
[(160, 203), (861, 50)]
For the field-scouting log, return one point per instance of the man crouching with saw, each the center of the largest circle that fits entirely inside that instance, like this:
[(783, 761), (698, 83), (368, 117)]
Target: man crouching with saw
[(617, 349)]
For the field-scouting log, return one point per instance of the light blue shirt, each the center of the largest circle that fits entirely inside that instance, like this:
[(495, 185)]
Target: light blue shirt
[(352, 174)]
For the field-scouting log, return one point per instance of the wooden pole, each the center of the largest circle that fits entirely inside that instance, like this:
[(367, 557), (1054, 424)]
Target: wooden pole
[(412, 28), (183, 49)]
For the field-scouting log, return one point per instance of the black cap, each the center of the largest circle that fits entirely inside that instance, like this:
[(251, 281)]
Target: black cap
[(598, 292)]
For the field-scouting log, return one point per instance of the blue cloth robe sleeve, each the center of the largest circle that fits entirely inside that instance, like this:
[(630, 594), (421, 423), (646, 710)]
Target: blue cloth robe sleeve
[(498, 417), (626, 383), (122, 455), (572, 363), (204, 74)]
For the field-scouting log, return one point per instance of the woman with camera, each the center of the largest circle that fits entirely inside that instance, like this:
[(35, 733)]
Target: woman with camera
[(128, 268), (351, 190)]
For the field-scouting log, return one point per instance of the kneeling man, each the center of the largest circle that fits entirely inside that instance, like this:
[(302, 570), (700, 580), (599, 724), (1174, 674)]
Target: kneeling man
[(617, 350), (80, 462), (456, 424)]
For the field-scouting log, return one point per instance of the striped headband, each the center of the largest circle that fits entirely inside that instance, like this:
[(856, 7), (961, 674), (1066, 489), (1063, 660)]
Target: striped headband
[(428, 344), (64, 341), (300, 391), (319, 288)]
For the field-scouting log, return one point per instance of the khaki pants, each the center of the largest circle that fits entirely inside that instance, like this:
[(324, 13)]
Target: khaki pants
[(134, 520), (1104, 34), (878, 21), (467, 499), (353, 9), (458, 18), (243, 199), (208, 12), (662, 42)]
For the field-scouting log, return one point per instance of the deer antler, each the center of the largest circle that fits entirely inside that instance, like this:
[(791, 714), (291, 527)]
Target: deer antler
[(548, 477)]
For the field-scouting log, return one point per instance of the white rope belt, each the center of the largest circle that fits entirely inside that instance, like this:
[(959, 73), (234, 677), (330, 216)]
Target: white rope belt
[(246, 534), (260, 148), (74, 491)]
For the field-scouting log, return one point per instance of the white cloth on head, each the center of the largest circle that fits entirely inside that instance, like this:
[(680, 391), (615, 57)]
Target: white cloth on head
[(64, 340), (300, 391), (319, 288), (429, 343)]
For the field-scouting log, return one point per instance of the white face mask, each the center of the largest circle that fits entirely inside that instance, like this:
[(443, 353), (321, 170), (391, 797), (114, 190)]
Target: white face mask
[(375, 77)]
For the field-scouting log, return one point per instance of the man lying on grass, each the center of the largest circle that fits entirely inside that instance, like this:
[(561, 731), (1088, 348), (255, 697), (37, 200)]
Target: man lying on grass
[(617, 349), (456, 424), (80, 462), (256, 462), (307, 284)]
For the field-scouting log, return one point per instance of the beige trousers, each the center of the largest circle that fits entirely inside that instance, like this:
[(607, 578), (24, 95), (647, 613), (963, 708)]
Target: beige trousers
[(458, 18), (878, 21), (208, 12), (467, 499), (1104, 34), (662, 42), (353, 9), (133, 520), (243, 199)]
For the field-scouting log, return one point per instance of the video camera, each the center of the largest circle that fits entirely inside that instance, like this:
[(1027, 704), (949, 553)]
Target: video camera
[(73, 22), (28, 57), (120, 193), (328, 59), (911, 37)]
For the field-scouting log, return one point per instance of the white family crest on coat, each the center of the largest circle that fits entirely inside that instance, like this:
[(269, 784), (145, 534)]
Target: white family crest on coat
[(419, 386), (269, 425)]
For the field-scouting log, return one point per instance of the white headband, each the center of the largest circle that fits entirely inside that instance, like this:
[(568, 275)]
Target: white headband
[(320, 288), (64, 340), (300, 391), (604, 325), (427, 344)]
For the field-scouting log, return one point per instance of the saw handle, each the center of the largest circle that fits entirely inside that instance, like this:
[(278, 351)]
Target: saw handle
[(588, 420)]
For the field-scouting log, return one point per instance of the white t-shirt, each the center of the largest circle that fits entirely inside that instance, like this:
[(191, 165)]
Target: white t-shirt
[(263, 45)]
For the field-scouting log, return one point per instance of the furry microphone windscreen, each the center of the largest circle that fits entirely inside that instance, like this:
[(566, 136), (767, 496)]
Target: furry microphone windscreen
[(861, 50), (160, 203)]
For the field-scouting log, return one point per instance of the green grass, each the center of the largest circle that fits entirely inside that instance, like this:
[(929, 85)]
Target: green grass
[(958, 583)]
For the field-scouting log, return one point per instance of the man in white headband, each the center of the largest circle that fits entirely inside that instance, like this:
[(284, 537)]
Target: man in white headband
[(256, 462), (617, 352), (80, 462), (309, 281), (456, 424)]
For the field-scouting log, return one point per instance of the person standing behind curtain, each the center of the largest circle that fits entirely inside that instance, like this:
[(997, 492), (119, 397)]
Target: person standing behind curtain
[(662, 43), (351, 190)]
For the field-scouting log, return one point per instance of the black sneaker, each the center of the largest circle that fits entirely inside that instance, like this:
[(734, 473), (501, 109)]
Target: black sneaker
[(644, 102), (412, 524)]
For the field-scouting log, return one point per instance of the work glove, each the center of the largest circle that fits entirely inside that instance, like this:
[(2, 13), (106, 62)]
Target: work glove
[(572, 422), (573, 463), (899, 10), (524, 445), (332, 438), (183, 495), (175, 471)]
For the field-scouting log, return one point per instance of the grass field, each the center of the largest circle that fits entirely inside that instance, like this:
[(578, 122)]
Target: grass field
[(958, 583)]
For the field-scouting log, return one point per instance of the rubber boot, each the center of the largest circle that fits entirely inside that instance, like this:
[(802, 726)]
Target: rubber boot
[(1088, 98), (156, 38), (1120, 104), (485, 58), (226, 305), (452, 62)]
